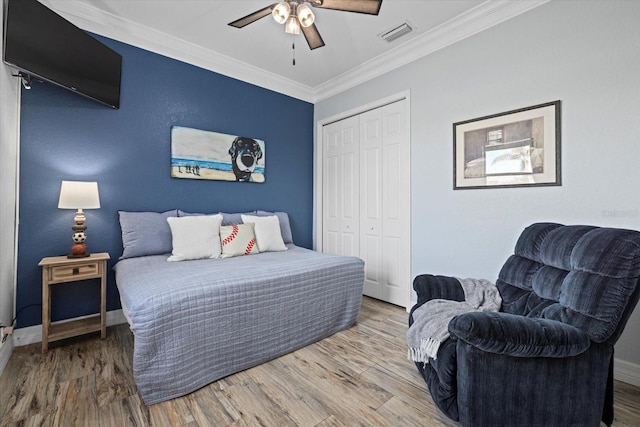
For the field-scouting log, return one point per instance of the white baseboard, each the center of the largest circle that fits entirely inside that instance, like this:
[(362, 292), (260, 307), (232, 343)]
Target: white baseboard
[(33, 334), (5, 352), (626, 372)]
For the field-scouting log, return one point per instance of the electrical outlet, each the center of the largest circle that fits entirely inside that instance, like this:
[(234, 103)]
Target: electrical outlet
[(5, 331)]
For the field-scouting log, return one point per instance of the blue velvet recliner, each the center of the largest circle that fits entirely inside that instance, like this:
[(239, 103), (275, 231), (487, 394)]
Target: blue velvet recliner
[(546, 359)]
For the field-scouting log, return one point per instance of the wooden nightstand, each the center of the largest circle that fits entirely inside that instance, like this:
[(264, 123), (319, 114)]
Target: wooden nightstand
[(61, 269)]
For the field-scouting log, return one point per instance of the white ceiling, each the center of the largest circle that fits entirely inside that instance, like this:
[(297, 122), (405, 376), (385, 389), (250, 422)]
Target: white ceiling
[(196, 31)]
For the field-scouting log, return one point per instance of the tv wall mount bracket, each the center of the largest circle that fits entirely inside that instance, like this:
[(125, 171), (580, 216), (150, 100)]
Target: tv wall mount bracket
[(25, 78)]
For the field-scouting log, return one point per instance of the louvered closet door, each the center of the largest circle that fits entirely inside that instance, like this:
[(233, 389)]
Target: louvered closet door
[(341, 209)]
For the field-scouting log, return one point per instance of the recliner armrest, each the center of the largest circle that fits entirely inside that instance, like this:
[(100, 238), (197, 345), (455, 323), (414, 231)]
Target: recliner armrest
[(518, 336), (430, 287)]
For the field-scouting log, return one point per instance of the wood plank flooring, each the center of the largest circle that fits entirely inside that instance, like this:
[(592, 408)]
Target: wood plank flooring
[(358, 377)]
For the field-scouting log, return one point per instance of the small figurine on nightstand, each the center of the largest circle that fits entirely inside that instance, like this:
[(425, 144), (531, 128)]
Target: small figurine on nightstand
[(79, 248), (79, 195)]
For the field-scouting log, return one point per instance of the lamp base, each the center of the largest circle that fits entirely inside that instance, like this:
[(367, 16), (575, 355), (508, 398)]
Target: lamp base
[(78, 250)]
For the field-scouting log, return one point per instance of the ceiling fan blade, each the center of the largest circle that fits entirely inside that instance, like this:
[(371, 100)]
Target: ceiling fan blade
[(371, 7), (253, 17), (314, 39)]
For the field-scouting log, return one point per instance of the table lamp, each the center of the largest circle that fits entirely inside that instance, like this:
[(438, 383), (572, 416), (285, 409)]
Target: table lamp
[(79, 195)]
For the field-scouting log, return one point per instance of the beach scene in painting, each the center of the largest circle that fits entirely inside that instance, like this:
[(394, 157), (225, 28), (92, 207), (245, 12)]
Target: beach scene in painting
[(200, 154)]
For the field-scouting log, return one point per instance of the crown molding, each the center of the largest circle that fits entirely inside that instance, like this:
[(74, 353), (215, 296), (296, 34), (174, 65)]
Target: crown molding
[(482, 17), (90, 18)]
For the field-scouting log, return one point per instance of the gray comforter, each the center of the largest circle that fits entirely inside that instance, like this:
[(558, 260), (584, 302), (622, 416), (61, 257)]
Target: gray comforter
[(197, 321)]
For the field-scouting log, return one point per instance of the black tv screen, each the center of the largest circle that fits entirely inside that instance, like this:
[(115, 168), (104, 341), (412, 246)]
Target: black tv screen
[(41, 43)]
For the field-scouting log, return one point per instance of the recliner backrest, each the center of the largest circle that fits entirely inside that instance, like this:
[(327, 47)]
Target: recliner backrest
[(581, 275)]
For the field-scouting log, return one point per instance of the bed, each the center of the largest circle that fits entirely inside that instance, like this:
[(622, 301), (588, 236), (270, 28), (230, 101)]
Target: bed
[(197, 321)]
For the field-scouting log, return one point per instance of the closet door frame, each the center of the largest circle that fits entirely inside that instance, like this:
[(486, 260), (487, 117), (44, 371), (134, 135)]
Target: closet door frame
[(318, 167)]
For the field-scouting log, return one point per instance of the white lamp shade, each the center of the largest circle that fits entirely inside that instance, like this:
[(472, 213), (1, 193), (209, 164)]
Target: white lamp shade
[(305, 15), (281, 12), (292, 26), (79, 195)]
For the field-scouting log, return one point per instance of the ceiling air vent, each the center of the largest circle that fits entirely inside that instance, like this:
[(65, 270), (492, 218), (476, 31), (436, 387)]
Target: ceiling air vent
[(396, 32)]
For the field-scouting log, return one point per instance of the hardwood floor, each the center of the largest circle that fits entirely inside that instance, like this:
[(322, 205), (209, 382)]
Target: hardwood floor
[(357, 377)]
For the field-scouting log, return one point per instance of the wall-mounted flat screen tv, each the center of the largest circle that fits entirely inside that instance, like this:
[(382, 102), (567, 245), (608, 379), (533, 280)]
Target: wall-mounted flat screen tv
[(41, 43)]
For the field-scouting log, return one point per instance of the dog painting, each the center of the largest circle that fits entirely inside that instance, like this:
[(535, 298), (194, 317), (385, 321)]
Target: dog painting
[(245, 153), (200, 154)]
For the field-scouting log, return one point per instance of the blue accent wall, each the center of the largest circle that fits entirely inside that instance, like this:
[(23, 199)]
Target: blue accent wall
[(65, 136)]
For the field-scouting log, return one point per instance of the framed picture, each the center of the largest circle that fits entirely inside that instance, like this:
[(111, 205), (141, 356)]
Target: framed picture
[(201, 154), (519, 148)]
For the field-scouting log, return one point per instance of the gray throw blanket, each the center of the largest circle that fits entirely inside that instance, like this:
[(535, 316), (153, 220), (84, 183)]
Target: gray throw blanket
[(431, 320)]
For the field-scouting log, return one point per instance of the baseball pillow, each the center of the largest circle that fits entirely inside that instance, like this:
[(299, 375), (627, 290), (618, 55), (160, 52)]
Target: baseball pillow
[(238, 239)]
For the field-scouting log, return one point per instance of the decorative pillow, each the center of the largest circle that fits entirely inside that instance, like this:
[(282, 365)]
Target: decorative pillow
[(182, 213), (267, 229), (145, 233), (227, 218), (195, 237), (285, 227), (238, 239), (233, 218)]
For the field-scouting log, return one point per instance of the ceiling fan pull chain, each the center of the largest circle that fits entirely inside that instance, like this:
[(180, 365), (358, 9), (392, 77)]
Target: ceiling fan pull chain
[(293, 48)]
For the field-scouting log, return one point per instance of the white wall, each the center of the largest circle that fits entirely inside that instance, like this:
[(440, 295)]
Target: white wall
[(9, 119), (584, 53)]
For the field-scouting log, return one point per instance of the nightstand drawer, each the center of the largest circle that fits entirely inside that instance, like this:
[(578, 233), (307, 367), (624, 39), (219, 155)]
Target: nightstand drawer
[(90, 269)]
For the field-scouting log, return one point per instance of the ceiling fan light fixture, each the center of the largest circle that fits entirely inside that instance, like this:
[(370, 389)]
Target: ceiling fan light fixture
[(305, 15), (281, 12), (292, 26), (297, 17)]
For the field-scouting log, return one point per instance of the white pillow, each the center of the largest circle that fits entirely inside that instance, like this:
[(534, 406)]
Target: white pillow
[(268, 235), (195, 237)]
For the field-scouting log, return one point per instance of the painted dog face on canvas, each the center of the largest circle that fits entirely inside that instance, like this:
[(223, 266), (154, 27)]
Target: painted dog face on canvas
[(245, 153)]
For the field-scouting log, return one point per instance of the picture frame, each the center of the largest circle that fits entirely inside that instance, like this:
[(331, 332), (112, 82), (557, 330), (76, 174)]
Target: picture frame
[(201, 154), (517, 148)]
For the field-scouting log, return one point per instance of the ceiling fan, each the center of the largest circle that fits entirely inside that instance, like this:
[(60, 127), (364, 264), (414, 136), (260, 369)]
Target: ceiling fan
[(297, 15)]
